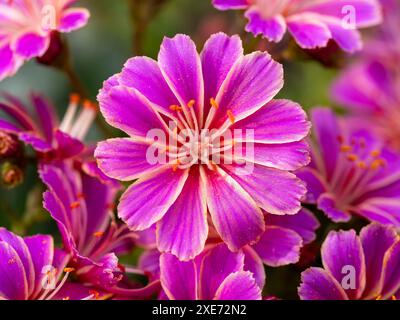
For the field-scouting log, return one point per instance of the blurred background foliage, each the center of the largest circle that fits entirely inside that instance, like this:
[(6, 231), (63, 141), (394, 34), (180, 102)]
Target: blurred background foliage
[(118, 30)]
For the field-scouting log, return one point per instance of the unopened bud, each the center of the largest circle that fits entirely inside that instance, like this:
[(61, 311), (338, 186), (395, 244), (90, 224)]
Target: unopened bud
[(11, 175), (9, 145)]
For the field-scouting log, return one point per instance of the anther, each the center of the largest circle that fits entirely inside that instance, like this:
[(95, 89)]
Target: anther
[(345, 148), (175, 108), (98, 234), (214, 103), (375, 153), (69, 270), (191, 103), (95, 294), (377, 164), (231, 116), (176, 165), (75, 205), (361, 164), (352, 157), (74, 98)]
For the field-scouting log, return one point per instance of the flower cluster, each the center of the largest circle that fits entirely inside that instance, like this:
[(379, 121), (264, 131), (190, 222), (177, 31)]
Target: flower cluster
[(213, 179)]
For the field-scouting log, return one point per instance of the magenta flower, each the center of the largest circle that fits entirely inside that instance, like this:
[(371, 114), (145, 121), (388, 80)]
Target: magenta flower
[(206, 96), (43, 131), (216, 274), (31, 268), (352, 172), (81, 203), (26, 27), (374, 102), (312, 23), (364, 267)]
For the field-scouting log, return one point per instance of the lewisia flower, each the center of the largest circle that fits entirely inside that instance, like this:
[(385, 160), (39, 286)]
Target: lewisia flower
[(32, 269), (26, 27), (81, 203), (42, 130), (370, 90), (216, 274), (364, 267), (312, 23), (204, 97), (352, 172)]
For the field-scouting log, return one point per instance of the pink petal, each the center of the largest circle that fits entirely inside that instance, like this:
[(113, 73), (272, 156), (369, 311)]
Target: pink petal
[(230, 4), (327, 203), (275, 191), (147, 200), (254, 264), (178, 279), (218, 263), (144, 75), (127, 109), (181, 66), (73, 19), (31, 45), (42, 253), (239, 286), (376, 240), (391, 273), (342, 249), (124, 159), (183, 230), (279, 246), (279, 121), (235, 214), (303, 223), (13, 283), (251, 84), (273, 28), (308, 31), (219, 55), (318, 284)]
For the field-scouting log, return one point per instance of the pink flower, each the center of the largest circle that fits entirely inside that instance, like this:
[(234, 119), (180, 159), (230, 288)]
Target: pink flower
[(312, 23), (26, 26), (352, 172), (205, 97), (360, 267)]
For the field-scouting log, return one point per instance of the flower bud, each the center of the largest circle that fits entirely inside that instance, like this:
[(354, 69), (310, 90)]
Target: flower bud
[(9, 145), (11, 175)]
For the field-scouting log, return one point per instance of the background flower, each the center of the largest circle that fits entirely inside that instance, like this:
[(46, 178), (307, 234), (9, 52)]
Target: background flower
[(373, 258), (26, 26), (311, 23)]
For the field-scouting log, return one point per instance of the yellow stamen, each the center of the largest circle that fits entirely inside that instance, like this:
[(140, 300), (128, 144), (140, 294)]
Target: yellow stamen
[(394, 298), (175, 166), (95, 294), (352, 157), (75, 205), (375, 153), (361, 164), (214, 103), (98, 234), (191, 103), (231, 116), (376, 164), (175, 108), (378, 297), (66, 298), (69, 270), (74, 98), (345, 148)]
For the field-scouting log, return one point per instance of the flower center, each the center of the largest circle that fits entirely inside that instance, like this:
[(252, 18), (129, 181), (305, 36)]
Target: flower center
[(192, 143)]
